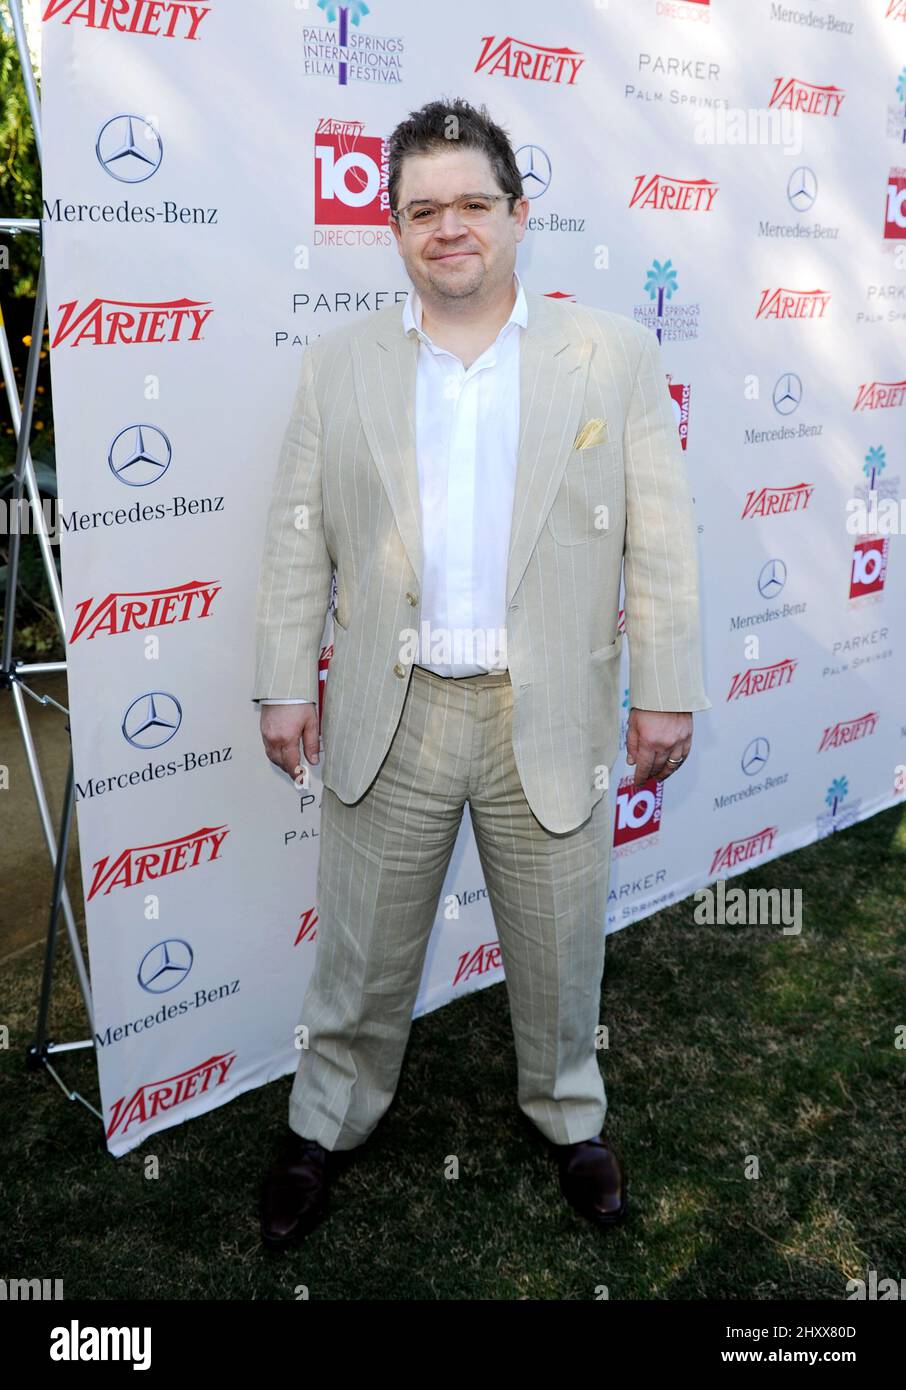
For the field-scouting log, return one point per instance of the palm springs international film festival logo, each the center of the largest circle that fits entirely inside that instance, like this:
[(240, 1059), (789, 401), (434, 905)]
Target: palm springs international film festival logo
[(345, 53), (896, 111), (840, 812), (671, 322)]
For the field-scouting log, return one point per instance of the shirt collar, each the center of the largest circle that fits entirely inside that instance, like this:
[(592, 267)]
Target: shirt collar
[(412, 311)]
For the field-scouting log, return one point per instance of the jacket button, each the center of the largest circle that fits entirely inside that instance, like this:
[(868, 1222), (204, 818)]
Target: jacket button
[(412, 598), (399, 670)]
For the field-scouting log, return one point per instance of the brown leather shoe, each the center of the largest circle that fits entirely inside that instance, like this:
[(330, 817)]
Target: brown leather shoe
[(294, 1196), (592, 1180)]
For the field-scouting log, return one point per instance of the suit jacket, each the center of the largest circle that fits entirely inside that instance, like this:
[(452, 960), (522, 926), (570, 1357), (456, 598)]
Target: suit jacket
[(346, 496)]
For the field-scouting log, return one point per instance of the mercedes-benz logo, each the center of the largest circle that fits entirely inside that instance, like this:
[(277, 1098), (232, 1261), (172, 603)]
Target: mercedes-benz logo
[(139, 455), (772, 578), (755, 756), (129, 148), (152, 719), (802, 188), (787, 395), (535, 168), (165, 965)]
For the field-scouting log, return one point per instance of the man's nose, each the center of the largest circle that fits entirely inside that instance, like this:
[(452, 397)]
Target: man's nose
[(451, 223)]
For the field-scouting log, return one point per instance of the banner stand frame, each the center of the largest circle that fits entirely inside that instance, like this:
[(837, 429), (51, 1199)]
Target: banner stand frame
[(42, 1048)]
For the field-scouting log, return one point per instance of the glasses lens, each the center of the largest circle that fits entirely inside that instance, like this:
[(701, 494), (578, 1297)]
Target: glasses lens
[(426, 217), (474, 209)]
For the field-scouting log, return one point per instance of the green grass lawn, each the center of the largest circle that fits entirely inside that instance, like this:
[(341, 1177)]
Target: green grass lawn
[(725, 1042)]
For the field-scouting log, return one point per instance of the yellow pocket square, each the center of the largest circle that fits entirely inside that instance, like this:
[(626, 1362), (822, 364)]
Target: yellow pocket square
[(592, 432)]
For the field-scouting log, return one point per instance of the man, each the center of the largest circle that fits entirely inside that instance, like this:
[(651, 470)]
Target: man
[(478, 466)]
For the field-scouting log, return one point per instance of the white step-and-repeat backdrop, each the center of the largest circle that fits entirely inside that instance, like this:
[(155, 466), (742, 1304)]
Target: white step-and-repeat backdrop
[(730, 174)]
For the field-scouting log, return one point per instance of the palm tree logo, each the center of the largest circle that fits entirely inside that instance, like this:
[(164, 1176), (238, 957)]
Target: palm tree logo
[(354, 10), (835, 793), (875, 463), (660, 284)]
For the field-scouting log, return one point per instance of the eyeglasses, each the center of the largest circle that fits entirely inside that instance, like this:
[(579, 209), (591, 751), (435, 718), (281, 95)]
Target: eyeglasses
[(471, 208)]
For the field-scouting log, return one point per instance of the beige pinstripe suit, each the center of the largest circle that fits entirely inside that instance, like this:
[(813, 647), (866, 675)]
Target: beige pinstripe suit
[(348, 457)]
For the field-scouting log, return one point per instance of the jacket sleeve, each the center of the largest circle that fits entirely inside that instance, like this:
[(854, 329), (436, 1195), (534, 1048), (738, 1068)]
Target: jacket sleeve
[(660, 557), (296, 568)]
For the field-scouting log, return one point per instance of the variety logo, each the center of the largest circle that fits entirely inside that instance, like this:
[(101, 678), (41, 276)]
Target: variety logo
[(484, 958), (144, 863), (759, 678), (792, 304), (637, 811), (869, 566), (880, 395), (104, 322), (895, 207), (737, 852), (896, 9), (660, 191), (164, 19), (530, 61), (795, 95), (351, 174), (773, 501), (135, 612), (154, 1097), (848, 730), (307, 922)]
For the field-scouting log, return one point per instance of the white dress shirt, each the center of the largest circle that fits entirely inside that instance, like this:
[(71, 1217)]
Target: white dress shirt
[(467, 433)]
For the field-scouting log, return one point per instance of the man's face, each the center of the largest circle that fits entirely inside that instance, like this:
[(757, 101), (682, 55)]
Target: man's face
[(455, 260)]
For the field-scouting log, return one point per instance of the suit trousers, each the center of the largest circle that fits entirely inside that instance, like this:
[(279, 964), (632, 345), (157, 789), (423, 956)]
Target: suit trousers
[(382, 865)]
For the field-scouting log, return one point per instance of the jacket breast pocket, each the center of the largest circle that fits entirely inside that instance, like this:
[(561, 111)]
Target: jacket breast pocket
[(581, 510)]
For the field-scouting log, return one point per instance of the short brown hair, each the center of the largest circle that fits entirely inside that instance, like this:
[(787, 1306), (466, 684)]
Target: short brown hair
[(428, 129)]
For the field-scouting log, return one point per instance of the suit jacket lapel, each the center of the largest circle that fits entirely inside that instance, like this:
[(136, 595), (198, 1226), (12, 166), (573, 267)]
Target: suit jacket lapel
[(553, 368)]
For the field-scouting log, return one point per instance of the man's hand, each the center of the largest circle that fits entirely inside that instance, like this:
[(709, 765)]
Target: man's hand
[(282, 726), (657, 743)]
